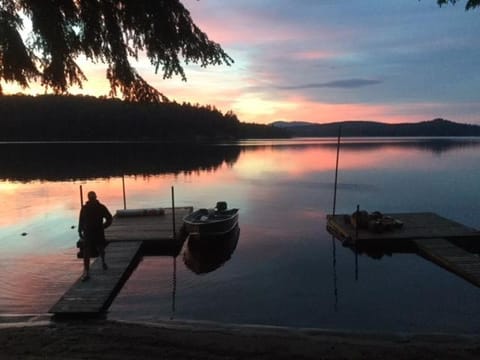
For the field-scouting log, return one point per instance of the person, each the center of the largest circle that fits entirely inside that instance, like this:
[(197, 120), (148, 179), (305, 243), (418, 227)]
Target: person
[(94, 218)]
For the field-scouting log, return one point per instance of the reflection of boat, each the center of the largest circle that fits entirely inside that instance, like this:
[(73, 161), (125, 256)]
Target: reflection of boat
[(211, 222), (205, 254)]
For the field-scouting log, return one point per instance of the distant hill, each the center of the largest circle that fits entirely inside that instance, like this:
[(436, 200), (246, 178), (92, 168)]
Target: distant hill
[(436, 127), (290, 124)]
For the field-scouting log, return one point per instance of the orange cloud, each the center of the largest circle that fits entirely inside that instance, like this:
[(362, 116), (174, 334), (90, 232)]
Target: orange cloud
[(295, 108)]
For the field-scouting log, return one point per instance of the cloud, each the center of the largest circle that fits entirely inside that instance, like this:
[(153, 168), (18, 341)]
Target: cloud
[(342, 84)]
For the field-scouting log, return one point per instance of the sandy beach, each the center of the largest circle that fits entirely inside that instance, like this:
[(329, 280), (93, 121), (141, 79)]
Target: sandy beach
[(106, 339)]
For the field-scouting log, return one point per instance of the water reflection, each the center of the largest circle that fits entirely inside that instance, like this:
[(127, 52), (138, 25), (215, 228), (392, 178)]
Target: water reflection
[(206, 254), (281, 270), (433, 145), (65, 161), (69, 161)]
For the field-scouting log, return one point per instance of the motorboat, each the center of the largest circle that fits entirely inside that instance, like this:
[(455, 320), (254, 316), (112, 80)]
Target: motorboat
[(211, 222)]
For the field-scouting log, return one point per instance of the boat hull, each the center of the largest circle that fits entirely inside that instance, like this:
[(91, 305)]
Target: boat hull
[(211, 223), (206, 254)]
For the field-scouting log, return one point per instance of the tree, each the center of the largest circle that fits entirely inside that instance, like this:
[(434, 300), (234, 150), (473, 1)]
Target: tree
[(471, 4), (107, 31)]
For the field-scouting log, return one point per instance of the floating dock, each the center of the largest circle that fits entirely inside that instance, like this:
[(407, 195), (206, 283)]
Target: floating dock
[(160, 234), (430, 235), (131, 236), (415, 226)]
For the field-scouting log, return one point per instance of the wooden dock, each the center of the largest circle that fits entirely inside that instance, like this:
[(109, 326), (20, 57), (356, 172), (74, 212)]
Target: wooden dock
[(451, 257), (156, 232), (415, 226), (129, 238), (428, 234), (95, 295)]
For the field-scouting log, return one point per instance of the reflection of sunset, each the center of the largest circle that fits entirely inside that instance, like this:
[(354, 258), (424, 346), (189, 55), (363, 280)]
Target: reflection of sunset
[(283, 190), (146, 191), (298, 162), (295, 162), (32, 287)]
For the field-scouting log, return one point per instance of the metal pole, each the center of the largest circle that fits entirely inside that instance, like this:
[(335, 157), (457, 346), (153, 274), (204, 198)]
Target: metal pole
[(173, 213), (124, 197), (336, 170), (334, 252)]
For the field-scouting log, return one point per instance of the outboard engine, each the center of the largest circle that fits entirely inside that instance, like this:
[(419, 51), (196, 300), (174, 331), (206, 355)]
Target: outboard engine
[(221, 206)]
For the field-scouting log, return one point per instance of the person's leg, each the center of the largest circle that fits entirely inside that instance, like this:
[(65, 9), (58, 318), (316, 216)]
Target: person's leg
[(86, 260), (101, 252)]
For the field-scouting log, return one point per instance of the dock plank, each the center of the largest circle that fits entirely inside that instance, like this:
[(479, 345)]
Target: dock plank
[(95, 295), (147, 228), (438, 251)]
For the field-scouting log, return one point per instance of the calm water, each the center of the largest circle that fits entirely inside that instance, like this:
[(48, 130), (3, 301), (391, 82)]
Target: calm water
[(285, 269)]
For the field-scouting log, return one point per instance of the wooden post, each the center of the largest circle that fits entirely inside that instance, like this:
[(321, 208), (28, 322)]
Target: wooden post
[(334, 264), (174, 287), (124, 197), (81, 196), (356, 241), (336, 170), (173, 213)]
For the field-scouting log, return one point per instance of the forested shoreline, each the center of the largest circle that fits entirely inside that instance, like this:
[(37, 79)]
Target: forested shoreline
[(86, 118)]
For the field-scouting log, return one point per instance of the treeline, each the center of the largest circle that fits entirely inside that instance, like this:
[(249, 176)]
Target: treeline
[(85, 118), (432, 128)]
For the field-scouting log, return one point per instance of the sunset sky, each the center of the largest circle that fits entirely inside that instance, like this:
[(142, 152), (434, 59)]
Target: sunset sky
[(329, 60)]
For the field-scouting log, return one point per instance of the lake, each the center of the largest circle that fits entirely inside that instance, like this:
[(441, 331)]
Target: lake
[(285, 269)]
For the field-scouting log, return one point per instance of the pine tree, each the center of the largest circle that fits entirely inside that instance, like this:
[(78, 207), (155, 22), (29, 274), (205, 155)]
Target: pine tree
[(108, 31)]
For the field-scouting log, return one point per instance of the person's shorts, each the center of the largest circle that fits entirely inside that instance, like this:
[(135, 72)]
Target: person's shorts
[(94, 244)]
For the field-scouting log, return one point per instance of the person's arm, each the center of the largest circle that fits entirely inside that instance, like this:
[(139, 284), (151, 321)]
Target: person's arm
[(108, 218)]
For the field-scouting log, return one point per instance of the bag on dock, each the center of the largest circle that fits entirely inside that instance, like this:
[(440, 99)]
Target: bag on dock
[(80, 246), (375, 222)]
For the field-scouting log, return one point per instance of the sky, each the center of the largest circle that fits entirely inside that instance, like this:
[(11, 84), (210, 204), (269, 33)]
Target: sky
[(328, 60)]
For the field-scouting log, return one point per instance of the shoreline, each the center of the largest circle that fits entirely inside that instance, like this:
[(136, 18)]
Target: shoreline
[(115, 339)]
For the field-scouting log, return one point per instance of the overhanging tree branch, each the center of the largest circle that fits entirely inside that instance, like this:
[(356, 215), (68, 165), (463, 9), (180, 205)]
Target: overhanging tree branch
[(107, 31), (471, 4)]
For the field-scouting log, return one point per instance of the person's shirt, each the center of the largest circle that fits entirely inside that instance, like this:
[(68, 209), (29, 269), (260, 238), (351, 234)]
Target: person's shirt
[(92, 216)]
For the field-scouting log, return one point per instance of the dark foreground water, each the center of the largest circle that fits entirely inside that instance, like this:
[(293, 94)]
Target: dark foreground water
[(285, 268)]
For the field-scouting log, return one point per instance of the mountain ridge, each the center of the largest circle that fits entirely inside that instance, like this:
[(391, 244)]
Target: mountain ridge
[(365, 128)]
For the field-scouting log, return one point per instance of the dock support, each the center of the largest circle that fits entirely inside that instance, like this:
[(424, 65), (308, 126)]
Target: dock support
[(81, 196), (124, 196), (173, 214), (336, 170)]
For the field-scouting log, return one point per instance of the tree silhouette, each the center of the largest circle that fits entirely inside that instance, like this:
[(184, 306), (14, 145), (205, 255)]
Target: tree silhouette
[(471, 4), (107, 31)]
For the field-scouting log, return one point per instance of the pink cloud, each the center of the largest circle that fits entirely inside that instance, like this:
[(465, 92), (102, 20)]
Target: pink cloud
[(315, 55)]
